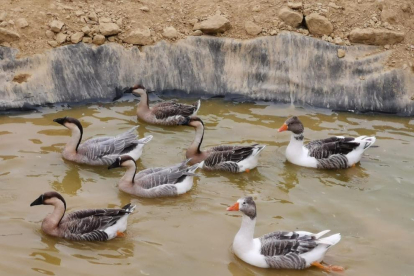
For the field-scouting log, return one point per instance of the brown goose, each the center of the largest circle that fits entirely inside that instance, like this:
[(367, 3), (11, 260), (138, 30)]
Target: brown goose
[(101, 150), (221, 158), (169, 113), (84, 225), (155, 182)]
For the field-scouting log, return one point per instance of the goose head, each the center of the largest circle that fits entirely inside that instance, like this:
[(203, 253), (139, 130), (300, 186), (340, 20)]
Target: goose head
[(246, 205), (49, 198), (123, 161), (139, 90), (70, 123), (292, 124), (193, 121)]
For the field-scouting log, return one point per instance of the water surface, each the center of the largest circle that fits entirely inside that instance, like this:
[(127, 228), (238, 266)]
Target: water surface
[(371, 205)]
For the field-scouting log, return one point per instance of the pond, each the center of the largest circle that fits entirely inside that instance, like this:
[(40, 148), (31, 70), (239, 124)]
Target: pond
[(371, 204)]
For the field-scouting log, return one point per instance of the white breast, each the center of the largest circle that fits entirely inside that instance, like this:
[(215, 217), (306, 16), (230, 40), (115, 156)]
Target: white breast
[(250, 252)]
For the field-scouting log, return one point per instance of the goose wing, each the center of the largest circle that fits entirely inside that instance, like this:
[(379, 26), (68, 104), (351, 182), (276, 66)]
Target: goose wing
[(284, 243), (162, 177), (166, 110), (325, 148), (223, 154), (174, 168)]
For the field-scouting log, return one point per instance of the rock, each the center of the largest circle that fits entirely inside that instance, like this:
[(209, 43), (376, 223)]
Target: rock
[(86, 30), (404, 7), (338, 41), (98, 39), (334, 6), (3, 16), (341, 53), (375, 36), (79, 13), (11, 22), (139, 36), (119, 22), (56, 25), (3, 24), (197, 33), (256, 8), (52, 43), (76, 37), (389, 15), (252, 28), (111, 38), (290, 17), (295, 5), (108, 29), (170, 32), (213, 25), (61, 38), (318, 24), (273, 32), (387, 47), (8, 36), (5, 44), (87, 40), (50, 34), (105, 20), (144, 9), (22, 23), (92, 16)]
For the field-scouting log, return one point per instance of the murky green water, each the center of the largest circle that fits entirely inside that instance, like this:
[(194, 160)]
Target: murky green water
[(371, 205)]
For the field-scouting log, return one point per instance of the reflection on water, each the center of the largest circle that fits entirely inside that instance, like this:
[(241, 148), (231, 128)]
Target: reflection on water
[(193, 232)]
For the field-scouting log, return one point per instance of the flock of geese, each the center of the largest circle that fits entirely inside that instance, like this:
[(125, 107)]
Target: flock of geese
[(289, 250)]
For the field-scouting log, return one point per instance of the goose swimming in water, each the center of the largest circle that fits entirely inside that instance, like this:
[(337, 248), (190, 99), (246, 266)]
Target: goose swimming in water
[(100, 150), (168, 113), (83, 225), (155, 182), (282, 250), (221, 158), (336, 152)]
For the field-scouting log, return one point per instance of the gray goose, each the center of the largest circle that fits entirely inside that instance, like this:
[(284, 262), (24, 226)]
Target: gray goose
[(155, 182), (282, 250), (336, 152), (168, 113), (221, 158), (101, 150), (83, 225)]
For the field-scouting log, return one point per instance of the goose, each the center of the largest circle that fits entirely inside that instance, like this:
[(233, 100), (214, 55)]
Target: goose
[(168, 113), (93, 151), (221, 158), (155, 182), (83, 225), (281, 249), (336, 152)]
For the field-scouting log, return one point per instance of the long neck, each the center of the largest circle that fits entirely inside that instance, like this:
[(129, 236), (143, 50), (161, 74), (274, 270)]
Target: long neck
[(143, 102), (195, 146), (126, 183), (52, 220), (296, 140), (73, 144), (246, 232)]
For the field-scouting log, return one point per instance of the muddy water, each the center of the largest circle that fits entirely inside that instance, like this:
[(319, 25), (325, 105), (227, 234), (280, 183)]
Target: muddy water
[(371, 204)]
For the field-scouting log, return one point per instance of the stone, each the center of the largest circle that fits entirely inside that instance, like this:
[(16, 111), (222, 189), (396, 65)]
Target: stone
[(92, 16), (22, 23), (119, 22), (290, 17), (139, 36), (341, 53), (61, 38), (197, 33), (170, 32), (11, 22), (105, 20), (338, 41), (52, 43), (256, 8), (387, 47), (375, 36), (8, 36), (334, 6), (273, 32), (79, 13), (56, 26), (318, 24), (5, 44), (144, 9), (50, 34), (98, 39), (404, 7), (86, 30), (295, 5), (87, 39), (213, 25), (3, 24), (76, 37), (251, 28), (111, 38), (3, 16), (108, 29), (389, 15)]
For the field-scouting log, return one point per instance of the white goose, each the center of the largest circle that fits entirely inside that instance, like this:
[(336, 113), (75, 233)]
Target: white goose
[(336, 152), (282, 250)]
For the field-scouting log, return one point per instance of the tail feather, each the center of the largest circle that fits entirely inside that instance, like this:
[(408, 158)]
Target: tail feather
[(129, 208), (193, 168), (260, 149), (146, 139), (320, 234), (197, 104), (331, 240)]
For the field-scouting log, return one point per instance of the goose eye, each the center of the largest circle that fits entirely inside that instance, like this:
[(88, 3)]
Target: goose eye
[(244, 203)]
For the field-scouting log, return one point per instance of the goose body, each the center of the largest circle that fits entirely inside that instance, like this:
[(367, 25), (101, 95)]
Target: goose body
[(221, 158), (83, 225), (336, 152), (101, 150), (155, 182), (281, 250), (168, 113)]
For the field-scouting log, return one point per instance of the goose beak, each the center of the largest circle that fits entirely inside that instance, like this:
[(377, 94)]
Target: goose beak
[(283, 128), (38, 201), (114, 165), (235, 207), (59, 121)]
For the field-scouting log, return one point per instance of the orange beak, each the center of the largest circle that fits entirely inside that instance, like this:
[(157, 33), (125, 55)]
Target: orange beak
[(235, 207), (283, 128)]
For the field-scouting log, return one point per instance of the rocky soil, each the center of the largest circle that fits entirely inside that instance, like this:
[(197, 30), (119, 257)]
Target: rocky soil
[(35, 26)]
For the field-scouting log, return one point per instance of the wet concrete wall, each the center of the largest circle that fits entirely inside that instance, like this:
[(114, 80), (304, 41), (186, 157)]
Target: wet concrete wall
[(284, 68)]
